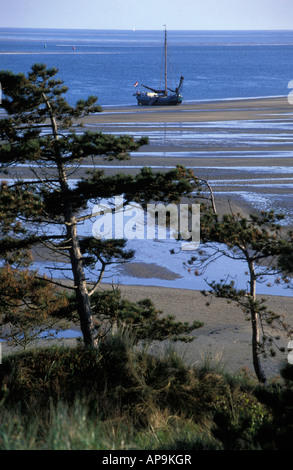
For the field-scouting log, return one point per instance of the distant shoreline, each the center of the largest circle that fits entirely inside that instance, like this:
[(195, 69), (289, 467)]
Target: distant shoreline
[(214, 161)]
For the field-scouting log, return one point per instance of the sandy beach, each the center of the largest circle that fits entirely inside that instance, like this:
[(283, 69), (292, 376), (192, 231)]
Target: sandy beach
[(224, 339), (244, 148)]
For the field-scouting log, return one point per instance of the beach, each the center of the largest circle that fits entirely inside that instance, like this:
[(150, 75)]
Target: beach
[(244, 149), (224, 340)]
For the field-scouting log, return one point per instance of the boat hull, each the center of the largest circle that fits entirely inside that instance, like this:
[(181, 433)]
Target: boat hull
[(159, 100)]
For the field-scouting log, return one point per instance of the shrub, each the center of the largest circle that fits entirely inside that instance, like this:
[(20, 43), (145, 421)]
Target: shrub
[(137, 398), (55, 373)]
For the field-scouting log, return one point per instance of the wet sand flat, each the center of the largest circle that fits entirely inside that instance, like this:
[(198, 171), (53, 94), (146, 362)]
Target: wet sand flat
[(221, 110), (244, 148)]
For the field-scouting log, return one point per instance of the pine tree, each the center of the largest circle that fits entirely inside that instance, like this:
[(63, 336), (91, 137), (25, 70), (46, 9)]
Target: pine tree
[(39, 132), (259, 242)]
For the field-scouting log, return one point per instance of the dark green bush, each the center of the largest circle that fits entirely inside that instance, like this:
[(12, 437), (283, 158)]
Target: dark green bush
[(277, 431), (124, 383), (55, 373)]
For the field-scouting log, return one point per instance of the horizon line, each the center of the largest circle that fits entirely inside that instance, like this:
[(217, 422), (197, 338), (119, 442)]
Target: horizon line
[(134, 29)]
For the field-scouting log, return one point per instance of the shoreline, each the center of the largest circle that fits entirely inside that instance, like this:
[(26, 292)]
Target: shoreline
[(225, 336)]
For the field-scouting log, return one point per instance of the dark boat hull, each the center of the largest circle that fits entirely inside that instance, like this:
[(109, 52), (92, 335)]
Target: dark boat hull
[(143, 99)]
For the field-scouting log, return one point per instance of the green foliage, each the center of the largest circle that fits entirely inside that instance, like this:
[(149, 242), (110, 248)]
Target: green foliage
[(16, 204), (37, 376), (24, 97), (277, 431), (262, 234), (27, 300), (238, 418), (73, 428), (142, 317), (112, 311), (272, 323), (285, 260), (27, 306)]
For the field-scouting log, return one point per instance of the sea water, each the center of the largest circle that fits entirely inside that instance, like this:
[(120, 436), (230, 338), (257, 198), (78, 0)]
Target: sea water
[(107, 63)]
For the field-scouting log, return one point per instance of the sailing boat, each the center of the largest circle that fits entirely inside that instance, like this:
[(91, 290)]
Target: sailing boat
[(160, 97)]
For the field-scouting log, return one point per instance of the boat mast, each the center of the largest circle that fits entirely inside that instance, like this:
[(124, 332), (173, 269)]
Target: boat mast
[(166, 92)]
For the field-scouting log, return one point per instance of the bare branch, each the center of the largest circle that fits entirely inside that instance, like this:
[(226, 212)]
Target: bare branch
[(56, 283), (93, 290)]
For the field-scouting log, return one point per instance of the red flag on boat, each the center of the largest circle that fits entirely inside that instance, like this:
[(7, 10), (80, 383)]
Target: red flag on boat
[(136, 83)]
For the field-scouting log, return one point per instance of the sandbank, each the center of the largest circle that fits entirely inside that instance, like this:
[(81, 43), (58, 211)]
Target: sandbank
[(201, 111), (225, 337)]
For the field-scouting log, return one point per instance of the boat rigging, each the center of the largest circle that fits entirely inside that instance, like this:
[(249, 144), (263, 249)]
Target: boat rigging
[(155, 97)]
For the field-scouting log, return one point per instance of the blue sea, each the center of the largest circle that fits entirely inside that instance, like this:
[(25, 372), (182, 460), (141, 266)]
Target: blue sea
[(107, 63)]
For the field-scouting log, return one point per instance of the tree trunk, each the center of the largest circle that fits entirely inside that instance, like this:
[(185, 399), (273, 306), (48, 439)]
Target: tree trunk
[(82, 296), (255, 322), (83, 301)]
